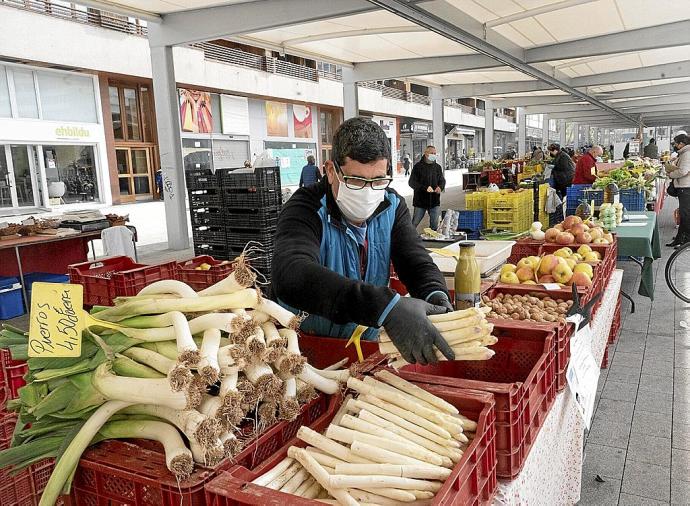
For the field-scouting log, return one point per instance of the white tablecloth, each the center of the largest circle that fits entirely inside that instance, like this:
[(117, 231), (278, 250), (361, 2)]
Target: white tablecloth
[(552, 474)]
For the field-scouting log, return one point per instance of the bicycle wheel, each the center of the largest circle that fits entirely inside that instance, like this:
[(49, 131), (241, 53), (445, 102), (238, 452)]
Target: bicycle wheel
[(678, 273)]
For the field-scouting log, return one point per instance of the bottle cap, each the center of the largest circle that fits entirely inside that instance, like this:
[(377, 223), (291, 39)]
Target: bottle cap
[(466, 244)]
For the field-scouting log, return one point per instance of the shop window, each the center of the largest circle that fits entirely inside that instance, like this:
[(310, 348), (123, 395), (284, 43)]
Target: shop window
[(5, 108), (67, 97), (196, 153), (25, 93), (147, 113), (131, 103), (115, 112), (72, 169)]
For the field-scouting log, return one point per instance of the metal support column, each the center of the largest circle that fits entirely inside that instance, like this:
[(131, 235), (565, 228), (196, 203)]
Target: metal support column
[(350, 97), (522, 131), (561, 132), (489, 129), (576, 133), (170, 145), (545, 130), (438, 129)]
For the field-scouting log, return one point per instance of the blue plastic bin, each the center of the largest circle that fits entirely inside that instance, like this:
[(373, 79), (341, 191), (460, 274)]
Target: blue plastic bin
[(469, 220), (633, 200), (10, 298), (44, 277)]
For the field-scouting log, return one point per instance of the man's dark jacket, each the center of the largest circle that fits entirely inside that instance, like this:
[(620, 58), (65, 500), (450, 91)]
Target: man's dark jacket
[(425, 175), (299, 279), (563, 170)]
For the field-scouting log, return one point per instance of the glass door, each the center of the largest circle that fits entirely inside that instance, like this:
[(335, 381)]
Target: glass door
[(8, 198), (18, 181)]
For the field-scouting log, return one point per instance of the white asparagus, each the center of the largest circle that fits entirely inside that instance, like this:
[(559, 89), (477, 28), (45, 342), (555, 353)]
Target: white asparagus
[(324, 459), (458, 324), (376, 454), (425, 472), (342, 410), (284, 477), (321, 475), (271, 474), (395, 494), (349, 436), (457, 315), (412, 389), (313, 491), (329, 446), (306, 485), (345, 481), (294, 482), (366, 496)]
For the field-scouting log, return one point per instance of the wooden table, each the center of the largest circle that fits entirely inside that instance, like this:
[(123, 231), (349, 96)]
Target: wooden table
[(43, 253)]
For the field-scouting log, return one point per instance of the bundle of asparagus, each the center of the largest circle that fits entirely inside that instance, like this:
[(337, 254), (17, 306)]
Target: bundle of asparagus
[(181, 363), (394, 443), (467, 332)]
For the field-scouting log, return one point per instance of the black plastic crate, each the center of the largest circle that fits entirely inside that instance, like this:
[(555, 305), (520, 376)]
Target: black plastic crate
[(252, 218), (209, 216), (250, 178), (217, 251), (210, 234), (205, 198), (201, 179), (238, 238), (248, 199)]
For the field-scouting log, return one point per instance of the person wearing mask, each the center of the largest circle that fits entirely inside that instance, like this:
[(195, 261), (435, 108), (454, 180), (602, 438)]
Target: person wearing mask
[(407, 164), (310, 173), (428, 182), (651, 150), (586, 168), (334, 245), (679, 172), (563, 169)]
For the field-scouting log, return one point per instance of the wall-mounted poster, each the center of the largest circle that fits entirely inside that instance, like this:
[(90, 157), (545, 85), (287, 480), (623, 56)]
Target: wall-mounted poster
[(301, 115), (276, 119), (195, 111)]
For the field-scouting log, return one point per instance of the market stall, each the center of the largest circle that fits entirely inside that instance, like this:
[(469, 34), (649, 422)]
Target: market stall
[(640, 238)]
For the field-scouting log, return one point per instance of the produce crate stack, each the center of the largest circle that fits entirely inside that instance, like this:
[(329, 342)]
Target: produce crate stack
[(206, 211), (543, 194), (511, 212), (252, 199), (476, 201)]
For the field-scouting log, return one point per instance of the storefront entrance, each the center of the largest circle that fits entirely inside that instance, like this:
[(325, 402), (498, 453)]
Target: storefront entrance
[(19, 185)]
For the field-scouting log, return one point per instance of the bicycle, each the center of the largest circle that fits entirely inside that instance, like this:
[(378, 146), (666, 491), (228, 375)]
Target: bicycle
[(678, 273)]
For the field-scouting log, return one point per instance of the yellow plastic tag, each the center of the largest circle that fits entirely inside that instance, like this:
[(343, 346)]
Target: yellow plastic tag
[(57, 320), (356, 337)]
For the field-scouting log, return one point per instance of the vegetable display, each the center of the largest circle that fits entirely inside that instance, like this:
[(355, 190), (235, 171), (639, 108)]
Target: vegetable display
[(563, 266), (184, 368), (394, 443), (636, 174), (467, 332)]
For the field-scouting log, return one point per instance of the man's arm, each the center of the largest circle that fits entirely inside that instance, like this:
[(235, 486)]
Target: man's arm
[(414, 178), (301, 178), (300, 281), (411, 260)]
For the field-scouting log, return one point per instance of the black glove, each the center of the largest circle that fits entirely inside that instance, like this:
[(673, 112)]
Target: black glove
[(413, 334), (441, 299)]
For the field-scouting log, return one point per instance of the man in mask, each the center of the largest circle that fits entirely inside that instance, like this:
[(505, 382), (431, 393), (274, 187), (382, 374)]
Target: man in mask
[(428, 182), (334, 245)]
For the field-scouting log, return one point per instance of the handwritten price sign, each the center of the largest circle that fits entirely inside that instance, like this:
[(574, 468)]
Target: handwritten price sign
[(56, 320)]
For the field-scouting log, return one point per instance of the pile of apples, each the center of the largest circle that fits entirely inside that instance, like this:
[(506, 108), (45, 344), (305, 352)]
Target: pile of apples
[(563, 266), (575, 231)]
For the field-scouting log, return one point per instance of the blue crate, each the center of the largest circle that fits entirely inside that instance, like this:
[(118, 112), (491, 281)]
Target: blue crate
[(594, 195), (474, 236), (43, 277), (575, 194), (10, 298), (633, 200), (470, 220)]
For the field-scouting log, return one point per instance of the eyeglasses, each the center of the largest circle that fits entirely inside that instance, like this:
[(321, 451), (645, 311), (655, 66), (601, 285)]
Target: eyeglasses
[(358, 183)]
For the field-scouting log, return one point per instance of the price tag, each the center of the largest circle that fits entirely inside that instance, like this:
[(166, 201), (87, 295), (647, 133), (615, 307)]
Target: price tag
[(57, 320), (551, 286), (583, 372)]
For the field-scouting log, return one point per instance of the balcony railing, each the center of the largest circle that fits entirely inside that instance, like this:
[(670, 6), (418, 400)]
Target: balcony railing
[(232, 56), (81, 14), (395, 93)]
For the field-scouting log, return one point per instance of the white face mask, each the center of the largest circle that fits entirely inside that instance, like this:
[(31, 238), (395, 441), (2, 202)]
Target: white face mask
[(358, 205), (431, 158)]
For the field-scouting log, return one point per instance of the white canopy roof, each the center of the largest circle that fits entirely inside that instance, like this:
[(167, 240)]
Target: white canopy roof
[(518, 52)]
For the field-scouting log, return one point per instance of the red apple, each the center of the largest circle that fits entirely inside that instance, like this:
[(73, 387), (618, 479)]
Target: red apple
[(565, 238), (581, 279), (551, 234), (524, 273), (548, 263), (583, 238), (559, 227), (569, 221), (577, 229)]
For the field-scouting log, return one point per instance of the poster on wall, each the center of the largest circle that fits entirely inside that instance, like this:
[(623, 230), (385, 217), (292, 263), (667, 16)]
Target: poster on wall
[(301, 115), (276, 119), (195, 111)]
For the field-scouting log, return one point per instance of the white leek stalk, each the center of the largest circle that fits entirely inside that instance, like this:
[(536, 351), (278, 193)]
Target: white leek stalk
[(168, 286), (208, 366), (190, 422)]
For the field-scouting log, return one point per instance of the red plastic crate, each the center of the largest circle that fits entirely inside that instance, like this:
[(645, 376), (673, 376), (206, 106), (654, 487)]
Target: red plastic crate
[(616, 323), (17, 490), (12, 374), (40, 474), (524, 247), (112, 277), (605, 359), (322, 352), (564, 331), (521, 376), (472, 482), (198, 280), (133, 472)]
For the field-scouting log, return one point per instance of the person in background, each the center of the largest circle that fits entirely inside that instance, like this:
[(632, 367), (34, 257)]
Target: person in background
[(611, 153), (310, 173), (335, 242), (407, 164), (626, 151), (679, 172), (159, 183), (563, 169), (586, 168), (428, 182), (537, 154), (651, 150)]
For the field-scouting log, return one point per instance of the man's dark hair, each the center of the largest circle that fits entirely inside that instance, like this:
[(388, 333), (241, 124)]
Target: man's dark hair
[(554, 147), (685, 139), (652, 141), (362, 140), (311, 160)]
